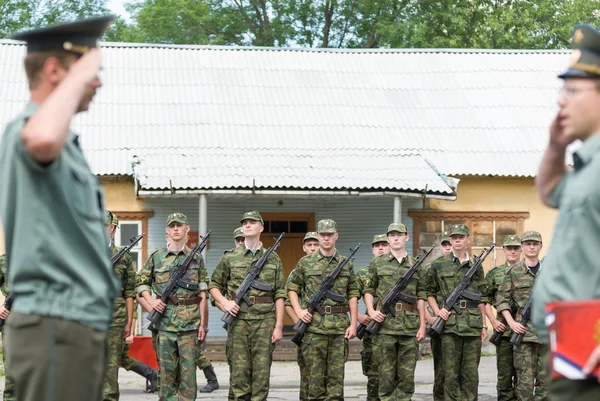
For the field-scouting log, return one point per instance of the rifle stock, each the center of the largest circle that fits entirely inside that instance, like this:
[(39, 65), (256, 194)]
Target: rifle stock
[(517, 338)]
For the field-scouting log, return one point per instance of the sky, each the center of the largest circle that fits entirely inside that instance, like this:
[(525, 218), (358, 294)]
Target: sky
[(116, 6)]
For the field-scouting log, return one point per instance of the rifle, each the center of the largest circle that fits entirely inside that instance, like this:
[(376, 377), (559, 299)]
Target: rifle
[(452, 302), (134, 240), (176, 280), (251, 281), (496, 337), (8, 305), (517, 338), (318, 297), (361, 330), (388, 305)]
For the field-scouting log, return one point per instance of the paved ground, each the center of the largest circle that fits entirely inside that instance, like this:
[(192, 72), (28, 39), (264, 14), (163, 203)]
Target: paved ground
[(285, 382)]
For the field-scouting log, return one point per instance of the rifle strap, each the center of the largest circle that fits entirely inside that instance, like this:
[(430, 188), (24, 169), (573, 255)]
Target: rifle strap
[(336, 309)]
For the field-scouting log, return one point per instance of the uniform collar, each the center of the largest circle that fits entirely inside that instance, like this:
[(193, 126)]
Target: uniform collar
[(185, 251), (454, 257), (255, 252), (585, 154), (391, 256), (335, 256)]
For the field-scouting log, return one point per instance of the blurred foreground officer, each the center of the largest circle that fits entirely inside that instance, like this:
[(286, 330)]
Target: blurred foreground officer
[(52, 207)]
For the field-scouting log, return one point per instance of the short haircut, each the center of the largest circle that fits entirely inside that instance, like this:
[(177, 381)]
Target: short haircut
[(34, 63)]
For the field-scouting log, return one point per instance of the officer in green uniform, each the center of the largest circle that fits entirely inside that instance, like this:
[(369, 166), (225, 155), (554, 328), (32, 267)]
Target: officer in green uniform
[(505, 385), (379, 246), (252, 336), (571, 264), (52, 208), (529, 355), (464, 333), (9, 388), (184, 322), (395, 345), (310, 244), (325, 344), (123, 314)]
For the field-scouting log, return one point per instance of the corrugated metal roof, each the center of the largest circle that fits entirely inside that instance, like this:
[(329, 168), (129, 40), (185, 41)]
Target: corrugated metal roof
[(469, 112)]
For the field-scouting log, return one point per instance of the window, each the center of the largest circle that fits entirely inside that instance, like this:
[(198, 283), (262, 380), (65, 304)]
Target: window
[(126, 231), (486, 228)]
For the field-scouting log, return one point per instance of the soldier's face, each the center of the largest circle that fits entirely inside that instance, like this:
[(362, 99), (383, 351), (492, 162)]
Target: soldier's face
[(110, 230), (238, 241), (397, 240), (310, 246), (446, 248), (460, 242), (532, 249), (327, 240), (252, 228), (579, 102), (177, 231), (512, 254), (379, 248)]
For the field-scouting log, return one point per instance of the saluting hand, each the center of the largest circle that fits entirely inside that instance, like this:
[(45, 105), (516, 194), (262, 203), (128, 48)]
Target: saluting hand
[(557, 134), (87, 66)]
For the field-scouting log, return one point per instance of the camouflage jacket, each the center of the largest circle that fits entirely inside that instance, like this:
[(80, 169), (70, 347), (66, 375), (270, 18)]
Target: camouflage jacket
[(311, 271), (155, 275), (494, 280), (517, 285), (125, 271), (3, 276), (384, 272), (301, 299), (362, 276), (233, 268), (445, 275)]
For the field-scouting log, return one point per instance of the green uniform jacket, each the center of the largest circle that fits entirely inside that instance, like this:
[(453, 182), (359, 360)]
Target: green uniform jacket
[(3, 277), (384, 272), (233, 268), (445, 275), (311, 271), (125, 272), (155, 275), (494, 280), (517, 285)]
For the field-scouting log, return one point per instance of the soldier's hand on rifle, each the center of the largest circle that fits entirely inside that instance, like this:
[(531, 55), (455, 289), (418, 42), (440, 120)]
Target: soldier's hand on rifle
[(377, 316), (364, 319), (305, 316), (3, 312), (277, 335), (444, 314), (231, 307), (593, 362), (350, 332), (158, 305), (518, 327), (499, 326)]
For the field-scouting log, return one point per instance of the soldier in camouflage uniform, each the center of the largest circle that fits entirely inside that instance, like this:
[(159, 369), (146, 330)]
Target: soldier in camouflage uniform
[(9, 388), (122, 317), (379, 246), (505, 385), (310, 244), (184, 322), (395, 344), (252, 336), (463, 334), (532, 384), (325, 344)]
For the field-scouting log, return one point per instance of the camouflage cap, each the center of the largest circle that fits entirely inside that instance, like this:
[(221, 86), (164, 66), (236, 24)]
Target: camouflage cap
[(379, 238), (445, 237), (310, 235), (531, 236), (399, 227), (237, 233), (109, 218), (115, 221), (253, 215), (459, 229), (512, 240), (326, 226), (178, 217)]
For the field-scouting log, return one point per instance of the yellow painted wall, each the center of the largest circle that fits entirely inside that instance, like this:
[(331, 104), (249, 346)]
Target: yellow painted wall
[(120, 194)]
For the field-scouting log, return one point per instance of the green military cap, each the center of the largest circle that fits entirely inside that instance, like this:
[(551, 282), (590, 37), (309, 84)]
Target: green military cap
[(109, 218), (401, 228), (379, 238), (253, 215), (512, 240), (310, 235), (585, 59), (178, 217), (459, 229), (115, 221), (531, 236), (238, 232), (326, 226), (445, 237), (75, 37)]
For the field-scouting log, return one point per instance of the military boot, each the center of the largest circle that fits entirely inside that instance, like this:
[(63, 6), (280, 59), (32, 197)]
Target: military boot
[(211, 380), (150, 374)]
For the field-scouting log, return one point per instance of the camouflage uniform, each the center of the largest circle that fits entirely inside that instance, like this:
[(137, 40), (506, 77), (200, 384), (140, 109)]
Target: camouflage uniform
[(324, 346), (369, 365), (461, 339), (9, 388), (300, 358), (177, 339), (436, 350), (249, 349), (505, 386), (395, 344), (532, 383)]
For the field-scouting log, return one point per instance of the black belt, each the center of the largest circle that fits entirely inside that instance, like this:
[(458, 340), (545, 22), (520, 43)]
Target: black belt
[(467, 303)]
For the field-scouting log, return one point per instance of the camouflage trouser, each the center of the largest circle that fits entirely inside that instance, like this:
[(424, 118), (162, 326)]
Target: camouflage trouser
[(155, 346), (303, 376), (369, 368), (202, 361), (249, 354), (531, 372), (396, 357), (438, 369), (507, 377), (461, 364), (114, 347), (126, 361), (9, 387), (177, 353), (325, 356)]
